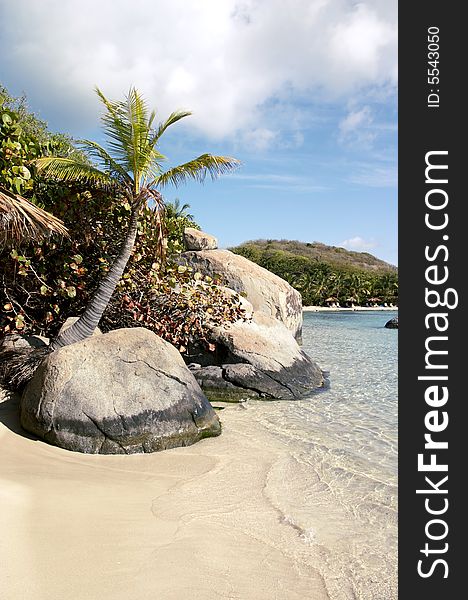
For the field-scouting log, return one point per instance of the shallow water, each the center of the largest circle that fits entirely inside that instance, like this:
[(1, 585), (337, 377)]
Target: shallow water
[(337, 486)]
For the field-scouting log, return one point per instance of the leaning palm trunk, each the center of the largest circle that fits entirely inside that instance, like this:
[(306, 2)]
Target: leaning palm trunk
[(89, 320)]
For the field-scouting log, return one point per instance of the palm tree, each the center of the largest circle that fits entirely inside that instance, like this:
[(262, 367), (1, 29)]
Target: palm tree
[(22, 220), (131, 168), (176, 210)]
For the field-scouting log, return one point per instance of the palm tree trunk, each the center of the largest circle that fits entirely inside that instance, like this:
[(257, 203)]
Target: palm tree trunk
[(87, 323)]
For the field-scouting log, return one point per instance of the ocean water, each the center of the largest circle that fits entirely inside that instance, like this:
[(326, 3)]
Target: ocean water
[(337, 484)]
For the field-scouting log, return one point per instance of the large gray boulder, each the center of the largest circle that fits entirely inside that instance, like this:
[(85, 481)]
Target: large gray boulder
[(257, 358), (122, 392), (199, 240), (267, 292)]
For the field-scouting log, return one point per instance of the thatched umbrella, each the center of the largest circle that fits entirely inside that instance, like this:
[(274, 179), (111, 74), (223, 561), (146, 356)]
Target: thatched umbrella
[(20, 219)]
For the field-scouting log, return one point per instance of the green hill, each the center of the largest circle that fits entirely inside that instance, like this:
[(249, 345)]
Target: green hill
[(326, 274), (333, 255)]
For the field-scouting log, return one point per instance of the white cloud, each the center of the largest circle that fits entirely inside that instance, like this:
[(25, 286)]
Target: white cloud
[(360, 39), (279, 183), (356, 119), (260, 138), (358, 244), (221, 59), (358, 127)]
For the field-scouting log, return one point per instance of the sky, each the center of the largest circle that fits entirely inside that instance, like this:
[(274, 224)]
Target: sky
[(302, 92)]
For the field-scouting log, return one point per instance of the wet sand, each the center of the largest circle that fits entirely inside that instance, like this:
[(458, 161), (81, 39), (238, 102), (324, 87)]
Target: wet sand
[(195, 522)]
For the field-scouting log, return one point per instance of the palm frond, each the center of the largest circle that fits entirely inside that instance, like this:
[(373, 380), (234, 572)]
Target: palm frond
[(177, 210), (97, 152), (128, 127), (151, 119), (173, 118), (18, 365), (21, 219), (117, 129), (71, 170), (197, 169), (137, 115), (158, 222)]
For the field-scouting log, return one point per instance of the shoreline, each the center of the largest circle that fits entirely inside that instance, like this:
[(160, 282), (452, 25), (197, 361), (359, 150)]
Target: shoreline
[(197, 521), (351, 309)]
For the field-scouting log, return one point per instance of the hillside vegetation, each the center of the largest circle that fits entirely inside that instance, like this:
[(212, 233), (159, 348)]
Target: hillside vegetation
[(332, 255), (326, 274)]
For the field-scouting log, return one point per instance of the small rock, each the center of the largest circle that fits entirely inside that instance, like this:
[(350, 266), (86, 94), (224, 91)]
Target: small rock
[(199, 240), (257, 359), (217, 387), (15, 341), (392, 324)]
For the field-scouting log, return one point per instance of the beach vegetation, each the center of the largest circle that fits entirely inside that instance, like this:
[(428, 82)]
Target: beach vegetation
[(117, 262), (176, 218), (326, 275), (131, 171)]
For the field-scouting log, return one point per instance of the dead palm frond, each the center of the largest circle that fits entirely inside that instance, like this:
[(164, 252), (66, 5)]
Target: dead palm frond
[(18, 365), (22, 220)]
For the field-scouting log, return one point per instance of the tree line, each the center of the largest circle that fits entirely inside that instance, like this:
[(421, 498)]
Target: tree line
[(322, 283)]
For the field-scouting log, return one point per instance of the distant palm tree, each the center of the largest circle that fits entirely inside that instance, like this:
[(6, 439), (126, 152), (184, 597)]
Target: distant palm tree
[(176, 210), (131, 169), (22, 220)]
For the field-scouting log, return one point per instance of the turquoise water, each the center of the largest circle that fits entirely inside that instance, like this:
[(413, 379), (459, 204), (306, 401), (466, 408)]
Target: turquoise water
[(338, 486)]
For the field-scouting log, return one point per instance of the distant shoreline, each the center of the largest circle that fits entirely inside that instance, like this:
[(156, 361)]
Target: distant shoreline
[(353, 309)]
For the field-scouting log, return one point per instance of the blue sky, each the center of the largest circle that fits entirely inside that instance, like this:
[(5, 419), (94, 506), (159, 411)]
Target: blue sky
[(303, 92)]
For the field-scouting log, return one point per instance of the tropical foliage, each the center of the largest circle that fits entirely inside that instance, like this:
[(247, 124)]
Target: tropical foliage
[(130, 170), (44, 283), (179, 305), (323, 282), (176, 219)]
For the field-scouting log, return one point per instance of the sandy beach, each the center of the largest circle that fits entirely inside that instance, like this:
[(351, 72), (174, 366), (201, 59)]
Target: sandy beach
[(193, 522)]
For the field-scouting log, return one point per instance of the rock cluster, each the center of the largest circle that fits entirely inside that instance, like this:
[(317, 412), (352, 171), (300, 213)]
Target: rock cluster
[(267, 292), (259, 357), (129, 391)]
